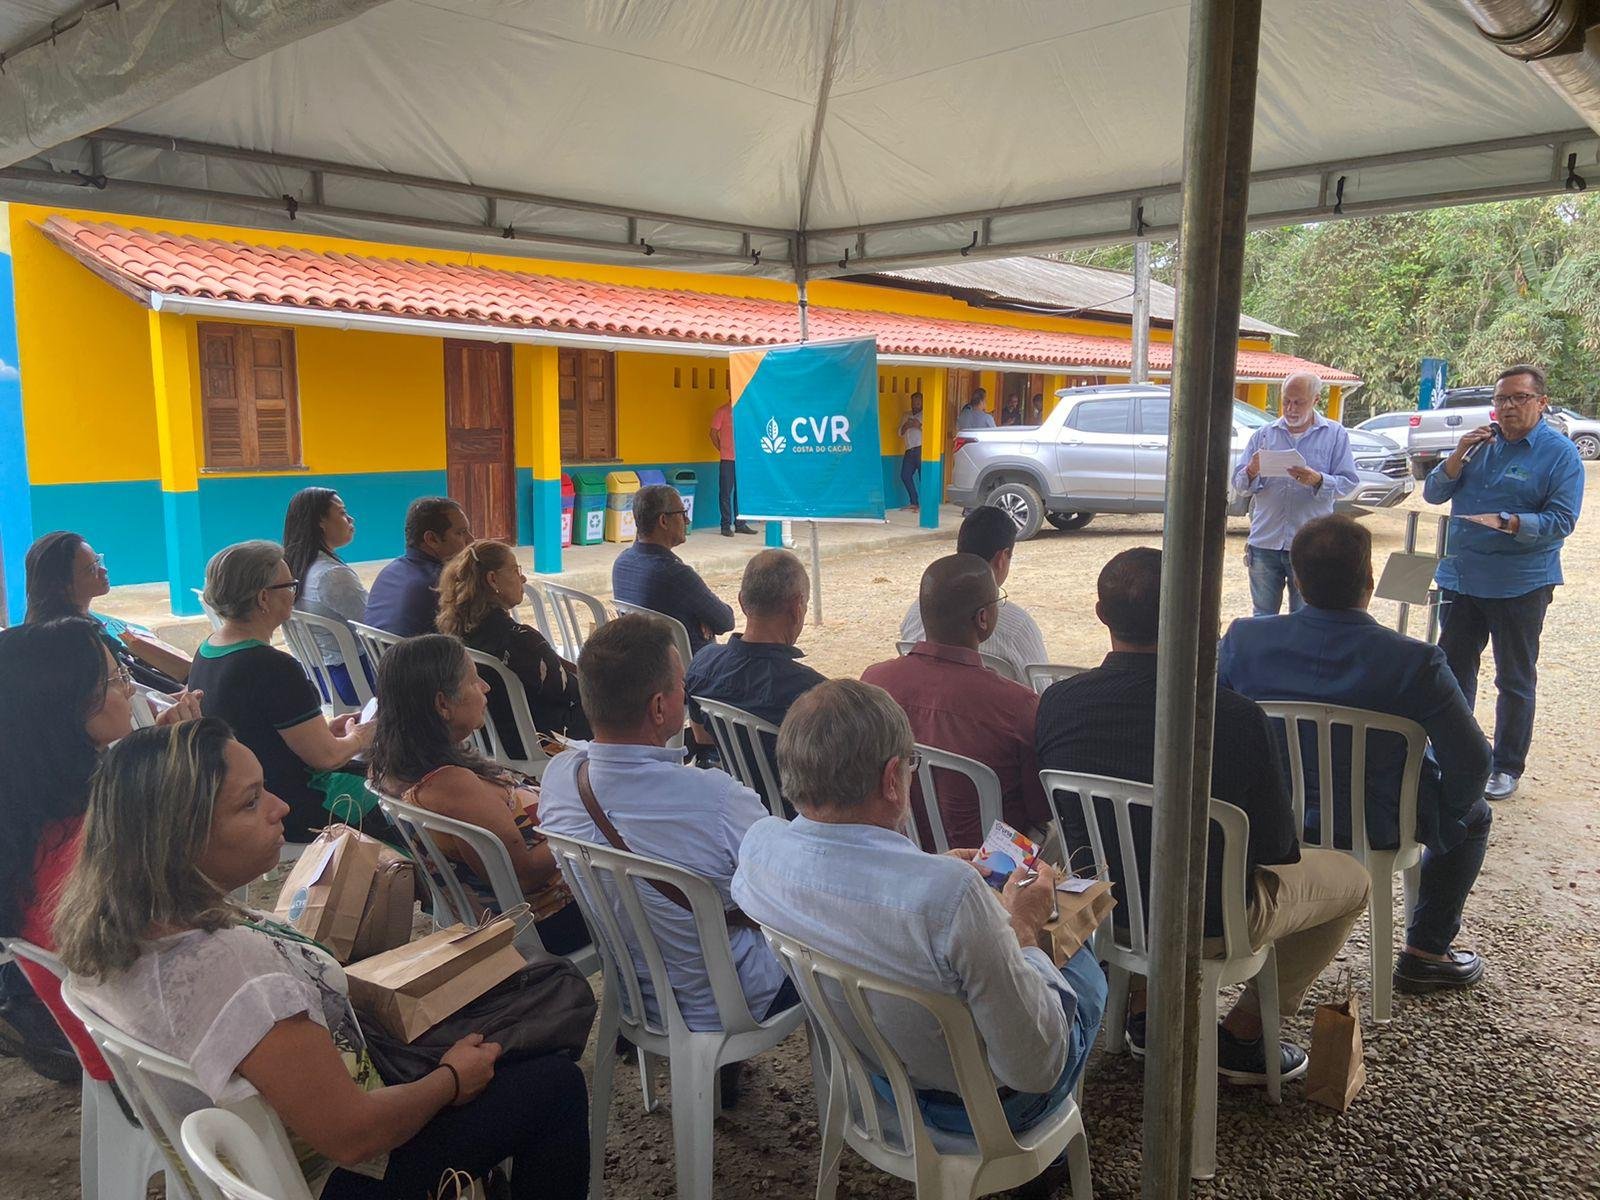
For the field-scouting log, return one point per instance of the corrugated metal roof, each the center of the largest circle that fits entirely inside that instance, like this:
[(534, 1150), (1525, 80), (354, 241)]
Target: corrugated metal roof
[(1048, 283)]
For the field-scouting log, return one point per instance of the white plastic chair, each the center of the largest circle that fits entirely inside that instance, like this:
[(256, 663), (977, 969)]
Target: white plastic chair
[(451, 904), (608, 883), (984, 780), (298, 635), (211, 614), (567, 606), (490, 739), (116, 1158), (680, 638), (147, 1075), (1380, 864), (1127, 953), (1000, 666), (747, 745), (1042, 675), (373, 641), (940, 1164), (230, 1155)]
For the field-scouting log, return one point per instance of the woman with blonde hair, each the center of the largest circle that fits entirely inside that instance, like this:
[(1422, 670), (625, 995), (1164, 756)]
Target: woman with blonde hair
[(177, 819), (477, 591)]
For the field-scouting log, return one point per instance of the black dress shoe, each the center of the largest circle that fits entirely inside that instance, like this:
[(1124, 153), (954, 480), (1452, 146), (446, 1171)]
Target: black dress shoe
[(1501, 785), (727, 533), (744, 527), (1460, 969), (730, 1084)]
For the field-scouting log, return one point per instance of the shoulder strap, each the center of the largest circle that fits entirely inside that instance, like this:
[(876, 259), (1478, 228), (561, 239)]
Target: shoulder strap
[(734, 917)]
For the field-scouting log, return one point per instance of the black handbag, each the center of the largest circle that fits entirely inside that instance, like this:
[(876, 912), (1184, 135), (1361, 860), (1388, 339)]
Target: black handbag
[(545, 1008)]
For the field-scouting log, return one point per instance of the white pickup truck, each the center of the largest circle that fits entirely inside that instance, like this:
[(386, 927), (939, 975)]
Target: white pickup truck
[(1435, 431)]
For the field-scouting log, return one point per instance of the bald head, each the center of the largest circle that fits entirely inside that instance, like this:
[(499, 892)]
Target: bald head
[(956, 600)]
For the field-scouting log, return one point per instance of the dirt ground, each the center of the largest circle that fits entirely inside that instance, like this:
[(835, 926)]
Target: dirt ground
[(1486, 1093)]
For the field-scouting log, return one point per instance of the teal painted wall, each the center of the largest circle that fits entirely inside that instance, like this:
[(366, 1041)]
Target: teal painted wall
[(124, 521)]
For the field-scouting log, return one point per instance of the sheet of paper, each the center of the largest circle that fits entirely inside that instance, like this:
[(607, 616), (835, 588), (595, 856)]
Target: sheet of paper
[(1275, 464), (325, 850), (1075, 883), (1017, 848), (369, 711)]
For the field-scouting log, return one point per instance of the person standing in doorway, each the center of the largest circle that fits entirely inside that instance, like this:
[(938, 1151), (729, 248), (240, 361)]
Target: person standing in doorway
[(1281, 504), (1515, 488), (911, 462), (973, 414), (727, 486)]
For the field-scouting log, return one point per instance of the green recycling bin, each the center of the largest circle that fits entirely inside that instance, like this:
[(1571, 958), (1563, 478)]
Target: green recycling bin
[(685, 482), (589, 508)]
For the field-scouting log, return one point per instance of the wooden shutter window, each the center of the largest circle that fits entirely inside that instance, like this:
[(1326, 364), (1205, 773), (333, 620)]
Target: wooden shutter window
[(588, 408), (249, 397)]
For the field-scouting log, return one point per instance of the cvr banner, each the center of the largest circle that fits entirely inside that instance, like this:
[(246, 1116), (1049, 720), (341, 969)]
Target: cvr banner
[(805, 432)]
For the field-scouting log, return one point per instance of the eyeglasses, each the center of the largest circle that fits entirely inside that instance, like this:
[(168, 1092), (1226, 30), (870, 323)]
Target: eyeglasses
[(999, 602), (291, 583), (98, 563), (676, 512), (1517, 399), (912, 761), (121, 675)]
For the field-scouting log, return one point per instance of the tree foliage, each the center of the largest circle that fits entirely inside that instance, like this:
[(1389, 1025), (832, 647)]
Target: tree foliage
[(1480, 286)]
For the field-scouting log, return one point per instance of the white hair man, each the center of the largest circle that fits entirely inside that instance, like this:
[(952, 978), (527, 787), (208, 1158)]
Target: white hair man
[(1285, 497)]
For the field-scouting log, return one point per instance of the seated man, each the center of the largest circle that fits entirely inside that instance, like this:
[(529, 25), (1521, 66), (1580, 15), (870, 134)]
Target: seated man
[(956, 703), (1103, 722), (1332, 652), (844, 880), (992, 536), (649, 574), (631, 683), (404, 598), (759, 670)]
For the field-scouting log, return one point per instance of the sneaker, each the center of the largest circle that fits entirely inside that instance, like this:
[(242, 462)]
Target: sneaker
[(1460, 969), (1246, 1062), (1133, 1034)]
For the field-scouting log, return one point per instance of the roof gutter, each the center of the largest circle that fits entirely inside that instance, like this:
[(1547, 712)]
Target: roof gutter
[(1559, 39)]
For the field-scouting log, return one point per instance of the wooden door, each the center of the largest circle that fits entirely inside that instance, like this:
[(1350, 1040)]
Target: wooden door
[(588, 406), (480, 454), (959, 385)]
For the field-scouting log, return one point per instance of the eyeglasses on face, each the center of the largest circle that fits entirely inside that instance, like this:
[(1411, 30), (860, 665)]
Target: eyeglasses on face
[(912, 761), (97, 562), (288, 583), (1517, 399), (120, 676), (999, 602)]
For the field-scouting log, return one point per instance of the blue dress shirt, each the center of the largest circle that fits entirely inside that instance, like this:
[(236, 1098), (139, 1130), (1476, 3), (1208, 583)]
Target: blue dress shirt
[(655, 577), (1281, 505), (1539, 480), (763, 678), (1343, 656), (404, 599)]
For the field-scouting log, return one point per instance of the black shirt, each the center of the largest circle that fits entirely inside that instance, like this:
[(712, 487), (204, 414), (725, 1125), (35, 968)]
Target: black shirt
[(1103, 722), (552, 691), (260, 692)]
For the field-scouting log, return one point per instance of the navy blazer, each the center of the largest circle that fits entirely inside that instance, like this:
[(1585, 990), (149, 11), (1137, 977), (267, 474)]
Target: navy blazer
[(1343, 656)]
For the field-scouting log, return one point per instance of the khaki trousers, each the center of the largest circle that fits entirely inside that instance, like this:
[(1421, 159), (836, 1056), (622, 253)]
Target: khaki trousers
[(1307, 910)]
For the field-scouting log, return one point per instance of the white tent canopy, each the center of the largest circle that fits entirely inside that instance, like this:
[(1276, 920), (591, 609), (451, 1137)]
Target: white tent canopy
[(715, 132)]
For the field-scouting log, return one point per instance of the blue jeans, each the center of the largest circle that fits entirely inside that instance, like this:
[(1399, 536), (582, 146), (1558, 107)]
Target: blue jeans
[(1270, 573), (1447, 879), (1513, 625), (1026, 1109), (910, 465)]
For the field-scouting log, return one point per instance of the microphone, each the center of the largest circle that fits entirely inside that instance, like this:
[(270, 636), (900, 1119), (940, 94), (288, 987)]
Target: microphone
[(1494, 429)]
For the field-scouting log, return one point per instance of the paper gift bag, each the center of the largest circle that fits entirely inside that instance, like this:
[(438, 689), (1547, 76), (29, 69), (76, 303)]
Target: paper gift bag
[(325, 893), (1079, 913), (1336, 1071), (386, 921), (411, 989)]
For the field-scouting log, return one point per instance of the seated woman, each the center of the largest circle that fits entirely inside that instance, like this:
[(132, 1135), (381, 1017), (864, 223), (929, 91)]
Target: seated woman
[(430, 700), (316, 525), (64, 575), (63, 700), (261, 691), (177, 819), (477, 591)]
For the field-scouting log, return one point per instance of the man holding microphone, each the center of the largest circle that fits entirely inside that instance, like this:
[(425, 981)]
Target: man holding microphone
[(1515, 487), (1284, 501)]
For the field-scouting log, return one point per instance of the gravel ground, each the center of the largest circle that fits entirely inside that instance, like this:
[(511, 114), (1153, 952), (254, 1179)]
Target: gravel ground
[(1487, 1093)]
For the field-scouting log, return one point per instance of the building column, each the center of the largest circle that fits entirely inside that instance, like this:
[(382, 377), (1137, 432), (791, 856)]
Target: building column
[(930, 481), (536, 377), (174, 356), (16, 494), (1256, 395), (1335, 403)]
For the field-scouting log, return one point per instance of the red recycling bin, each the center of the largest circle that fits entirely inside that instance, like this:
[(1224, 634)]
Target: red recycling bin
[(568, 499)]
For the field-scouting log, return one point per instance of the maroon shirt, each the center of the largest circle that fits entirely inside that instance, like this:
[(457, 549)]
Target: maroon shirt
[(956, 703)]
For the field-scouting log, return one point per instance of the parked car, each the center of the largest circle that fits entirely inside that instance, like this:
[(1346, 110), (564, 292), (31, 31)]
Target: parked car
[(1434, 432), (1390, 424), (1584, 431), (1104, 450)]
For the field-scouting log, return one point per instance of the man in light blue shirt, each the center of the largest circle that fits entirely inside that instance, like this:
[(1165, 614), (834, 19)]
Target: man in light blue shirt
[(1282, 504), (844, 878), (973, 414), (1515, 489), (631, 682)]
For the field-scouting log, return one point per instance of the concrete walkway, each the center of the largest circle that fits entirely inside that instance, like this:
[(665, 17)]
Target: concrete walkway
[(587, 568)]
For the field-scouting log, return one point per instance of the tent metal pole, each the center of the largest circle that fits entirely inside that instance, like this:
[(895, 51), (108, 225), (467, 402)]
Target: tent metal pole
[(1214, 28)]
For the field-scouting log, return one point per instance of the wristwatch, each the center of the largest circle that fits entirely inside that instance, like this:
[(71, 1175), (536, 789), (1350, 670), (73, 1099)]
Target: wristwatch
[(1505, 520)]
